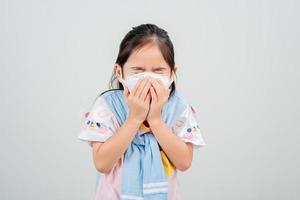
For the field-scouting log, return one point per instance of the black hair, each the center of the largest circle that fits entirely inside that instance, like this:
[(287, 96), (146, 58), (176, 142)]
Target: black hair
[(138, 37)]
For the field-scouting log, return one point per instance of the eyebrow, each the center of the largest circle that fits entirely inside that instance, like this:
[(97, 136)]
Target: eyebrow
[(142, 67), (159, 67), (139, 67)]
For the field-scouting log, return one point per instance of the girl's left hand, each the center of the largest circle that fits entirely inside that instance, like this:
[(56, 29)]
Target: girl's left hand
[(159, 96)]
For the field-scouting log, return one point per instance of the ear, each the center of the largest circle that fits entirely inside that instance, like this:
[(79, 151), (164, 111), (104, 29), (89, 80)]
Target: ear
[(174, 72), (118, 71)]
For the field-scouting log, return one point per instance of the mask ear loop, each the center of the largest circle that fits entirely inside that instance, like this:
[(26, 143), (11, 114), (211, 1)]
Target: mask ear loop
[(122, 78), (121, 73), (172, 79)]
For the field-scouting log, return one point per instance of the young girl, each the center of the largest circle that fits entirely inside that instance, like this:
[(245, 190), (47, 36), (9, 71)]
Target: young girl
[(144, 131)]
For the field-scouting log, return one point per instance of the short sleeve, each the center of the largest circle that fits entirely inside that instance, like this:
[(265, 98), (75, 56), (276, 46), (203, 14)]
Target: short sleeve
[(187, 128), (98, 123)]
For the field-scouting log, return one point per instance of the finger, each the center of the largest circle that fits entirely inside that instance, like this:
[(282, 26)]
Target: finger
[(153, 95), (160, 83), (163, 88), (145, 90), (147, 99), (157, 87), (141, 87), (136, 87)]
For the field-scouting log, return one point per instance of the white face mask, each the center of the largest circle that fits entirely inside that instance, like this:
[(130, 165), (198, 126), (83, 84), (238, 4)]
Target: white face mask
[(132, 80)]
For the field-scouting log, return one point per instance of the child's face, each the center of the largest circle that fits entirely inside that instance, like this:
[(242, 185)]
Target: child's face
[(146, 59)]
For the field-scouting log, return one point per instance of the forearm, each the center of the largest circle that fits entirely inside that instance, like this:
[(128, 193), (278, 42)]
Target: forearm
[(113, 148), (175, 148)]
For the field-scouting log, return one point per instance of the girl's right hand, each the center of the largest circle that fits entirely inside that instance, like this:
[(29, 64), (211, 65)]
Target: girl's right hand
[(138, 100)]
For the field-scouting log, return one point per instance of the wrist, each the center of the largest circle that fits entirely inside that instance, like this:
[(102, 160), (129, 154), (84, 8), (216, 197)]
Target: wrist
[(154, 121), (134, 120)]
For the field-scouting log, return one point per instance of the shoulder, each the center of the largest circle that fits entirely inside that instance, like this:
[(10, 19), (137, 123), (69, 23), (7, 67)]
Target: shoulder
[(102, 97), (110, 92), (183, 105), (179, 98), (100, 103)]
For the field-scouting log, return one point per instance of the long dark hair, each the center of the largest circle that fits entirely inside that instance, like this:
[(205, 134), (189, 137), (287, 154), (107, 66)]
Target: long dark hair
[(138, 37)]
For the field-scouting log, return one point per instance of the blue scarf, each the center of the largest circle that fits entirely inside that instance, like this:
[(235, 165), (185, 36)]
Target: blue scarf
[(143, 175)]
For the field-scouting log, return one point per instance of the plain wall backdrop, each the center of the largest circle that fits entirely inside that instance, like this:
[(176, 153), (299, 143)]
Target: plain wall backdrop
[(238, 66)]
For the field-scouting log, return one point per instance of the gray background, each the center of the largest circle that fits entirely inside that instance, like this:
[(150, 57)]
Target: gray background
[(238, 66)]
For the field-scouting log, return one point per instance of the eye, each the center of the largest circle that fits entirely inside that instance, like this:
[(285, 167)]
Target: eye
[(159, 69), (137, 68)]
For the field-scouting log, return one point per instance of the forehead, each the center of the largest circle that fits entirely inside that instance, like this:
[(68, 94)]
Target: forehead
[(147, 56)]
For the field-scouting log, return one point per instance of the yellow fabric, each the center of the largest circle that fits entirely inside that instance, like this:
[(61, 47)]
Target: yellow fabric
[(169, 167), (144, 127)]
